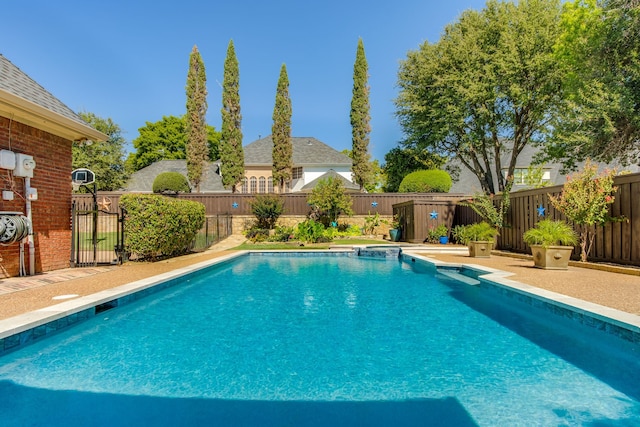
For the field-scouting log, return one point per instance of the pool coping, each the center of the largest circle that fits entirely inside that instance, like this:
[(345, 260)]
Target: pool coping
[(500, 278)]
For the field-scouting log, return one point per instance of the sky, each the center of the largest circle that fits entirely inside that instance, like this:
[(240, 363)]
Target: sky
[(128, 59)]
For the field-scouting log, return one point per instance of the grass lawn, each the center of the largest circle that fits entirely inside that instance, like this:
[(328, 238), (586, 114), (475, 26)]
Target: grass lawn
[(105, 240), (300, 246)]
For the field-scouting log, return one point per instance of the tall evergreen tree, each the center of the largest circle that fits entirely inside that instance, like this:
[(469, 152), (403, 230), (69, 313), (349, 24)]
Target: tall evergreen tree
[(196, 126), (231, 152), (281, 133), (360, 118)]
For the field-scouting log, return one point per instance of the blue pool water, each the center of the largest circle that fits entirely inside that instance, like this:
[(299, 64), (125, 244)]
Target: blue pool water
[(319, 341)]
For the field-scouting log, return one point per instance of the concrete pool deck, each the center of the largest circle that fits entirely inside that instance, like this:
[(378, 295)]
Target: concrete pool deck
[(617, 288)]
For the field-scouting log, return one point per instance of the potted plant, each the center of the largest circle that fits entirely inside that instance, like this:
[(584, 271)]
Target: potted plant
[(439, 234), (479, 237), (396, 229), (549, 242)]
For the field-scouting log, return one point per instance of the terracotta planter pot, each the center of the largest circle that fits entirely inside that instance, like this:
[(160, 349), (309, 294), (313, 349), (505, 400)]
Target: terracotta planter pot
[(480, 249), (551, 257)]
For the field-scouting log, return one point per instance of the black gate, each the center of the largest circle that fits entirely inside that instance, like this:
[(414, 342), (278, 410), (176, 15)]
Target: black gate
[(97, 233)]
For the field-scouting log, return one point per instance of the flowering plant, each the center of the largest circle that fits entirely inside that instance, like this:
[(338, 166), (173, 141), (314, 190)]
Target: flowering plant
[(585, 201)]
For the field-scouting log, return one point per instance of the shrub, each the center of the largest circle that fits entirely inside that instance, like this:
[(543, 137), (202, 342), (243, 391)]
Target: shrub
[(267, 208), (160, 226), (329, 200), (309, 231), (282, 234), (426, 181), (585, 201), (257, 234), (171, 183)]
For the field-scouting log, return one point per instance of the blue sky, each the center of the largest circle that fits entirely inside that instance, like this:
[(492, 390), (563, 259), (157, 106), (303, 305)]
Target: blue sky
[(127, 59)]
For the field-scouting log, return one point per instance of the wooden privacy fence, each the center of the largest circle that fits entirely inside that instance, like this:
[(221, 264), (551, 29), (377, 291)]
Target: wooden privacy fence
[(294, 203), (616, 242)]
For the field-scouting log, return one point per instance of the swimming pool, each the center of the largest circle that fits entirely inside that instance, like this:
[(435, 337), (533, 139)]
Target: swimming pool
[(322, 340)]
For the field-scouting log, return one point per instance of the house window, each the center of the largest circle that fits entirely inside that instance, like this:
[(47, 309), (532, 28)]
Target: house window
[(296, 173), (244, 187), (254, 184), (262, 185), (533, 176), (270, 184)]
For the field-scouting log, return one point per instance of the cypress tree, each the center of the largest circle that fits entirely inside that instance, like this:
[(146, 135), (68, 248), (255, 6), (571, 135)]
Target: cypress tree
[(360, 118), (231, 152), (281, 133), (196, 126)]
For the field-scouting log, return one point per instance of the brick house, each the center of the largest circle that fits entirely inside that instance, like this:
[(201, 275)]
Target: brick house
[(34, 125)]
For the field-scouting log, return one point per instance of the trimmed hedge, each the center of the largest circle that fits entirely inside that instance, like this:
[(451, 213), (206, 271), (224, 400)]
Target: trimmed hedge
[(171, 183), (159, 226), (426, 181)]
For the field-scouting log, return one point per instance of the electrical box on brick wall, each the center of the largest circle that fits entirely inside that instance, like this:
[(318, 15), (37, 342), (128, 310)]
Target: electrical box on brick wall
[(24, 165), (7, 159)]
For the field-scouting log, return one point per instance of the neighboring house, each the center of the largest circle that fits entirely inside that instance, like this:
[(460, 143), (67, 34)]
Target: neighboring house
[(312, 161), (468, 183), (142, 181), (36, 134)]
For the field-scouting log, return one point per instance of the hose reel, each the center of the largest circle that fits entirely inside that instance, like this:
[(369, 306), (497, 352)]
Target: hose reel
[(14, 226)]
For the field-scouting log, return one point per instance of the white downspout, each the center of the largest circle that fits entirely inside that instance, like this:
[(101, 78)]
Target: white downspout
[(30, 241)]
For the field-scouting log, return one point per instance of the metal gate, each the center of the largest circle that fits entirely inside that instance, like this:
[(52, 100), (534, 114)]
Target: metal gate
[(97, 234)]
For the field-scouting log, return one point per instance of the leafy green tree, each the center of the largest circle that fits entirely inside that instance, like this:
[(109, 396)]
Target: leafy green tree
[(329, 200), (166, 140), (488, 87), (402, 161), (600, 50), (377, 183), (360, 118), (196, 121), (231, 152), (104, 158), (281, 133)]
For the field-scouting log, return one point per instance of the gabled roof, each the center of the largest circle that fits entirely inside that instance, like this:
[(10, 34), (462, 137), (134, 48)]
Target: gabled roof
[(142, 181), (24, 100), (348, 185), (307, 151)]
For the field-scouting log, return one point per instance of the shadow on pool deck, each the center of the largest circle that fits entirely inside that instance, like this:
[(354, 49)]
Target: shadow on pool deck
[(33, 406)]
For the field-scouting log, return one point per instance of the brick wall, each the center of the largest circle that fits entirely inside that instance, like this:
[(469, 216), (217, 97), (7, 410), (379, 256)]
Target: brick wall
[(51, 212)]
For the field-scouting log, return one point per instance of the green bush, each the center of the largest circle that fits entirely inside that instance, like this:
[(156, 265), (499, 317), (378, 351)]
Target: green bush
[(171, 183), (309, 231), (426, 181), (282, 234), (158, 226), (267, 208), (257, 234), (329, 200)]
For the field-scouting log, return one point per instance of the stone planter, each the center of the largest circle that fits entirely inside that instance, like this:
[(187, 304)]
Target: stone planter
[(551, 257), (480, 249)]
